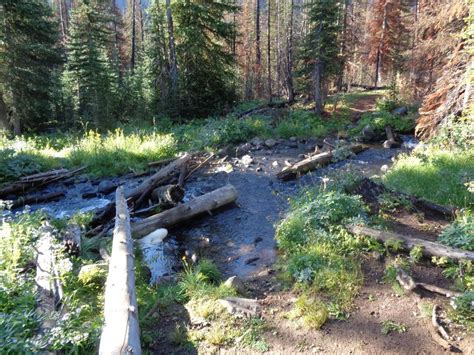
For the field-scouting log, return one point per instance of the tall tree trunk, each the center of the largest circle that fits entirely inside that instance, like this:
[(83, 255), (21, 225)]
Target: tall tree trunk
[(63, 19), (269, 59), (340, 78), (134, 39), (172, 48), (379, 48), (258, 51), (278, 48), (289, 51), (317, 84), (4, 123)]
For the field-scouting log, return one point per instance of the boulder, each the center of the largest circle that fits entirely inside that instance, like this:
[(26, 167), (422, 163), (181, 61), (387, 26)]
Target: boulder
[(236, 283), (389, 144), (242, 149), (106, 187), (400, 111), (257, 142), (88, 192), (368, 133), (246, 160), (270, 143)]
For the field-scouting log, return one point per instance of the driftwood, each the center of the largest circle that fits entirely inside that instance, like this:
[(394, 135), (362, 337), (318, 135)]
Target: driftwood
[(37, 180), (370, 191), (429, 248), (246, 306), (168, 195), (313, 162), (391, 141), (121, 332), (141, 193), (47, 277), (32, 199), (202, 204), (409, 284)]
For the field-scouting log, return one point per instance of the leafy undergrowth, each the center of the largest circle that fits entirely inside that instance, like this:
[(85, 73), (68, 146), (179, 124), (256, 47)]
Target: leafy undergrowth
[(198, 289), (77, 327), (319, 257)]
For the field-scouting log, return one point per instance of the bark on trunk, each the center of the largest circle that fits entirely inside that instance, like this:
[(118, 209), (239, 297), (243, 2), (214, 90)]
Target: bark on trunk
[(172, 48), (269, 62), (121, 331), (202, 204), (289, 73), (312, 163), (4, 123), (429, 248)]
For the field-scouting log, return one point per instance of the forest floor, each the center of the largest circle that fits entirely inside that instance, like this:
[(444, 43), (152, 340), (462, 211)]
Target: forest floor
[(241, 241)]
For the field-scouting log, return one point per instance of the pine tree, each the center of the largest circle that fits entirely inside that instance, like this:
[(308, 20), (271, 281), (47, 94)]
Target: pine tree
[(320, 50), (28, 57), (205, 60), (90, 74)]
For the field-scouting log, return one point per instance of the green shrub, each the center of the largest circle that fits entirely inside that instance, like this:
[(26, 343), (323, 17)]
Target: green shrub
[(459, 234), (464, 309)]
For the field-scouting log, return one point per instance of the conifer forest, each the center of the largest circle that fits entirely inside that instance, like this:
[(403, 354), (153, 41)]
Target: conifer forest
[(236, 176)]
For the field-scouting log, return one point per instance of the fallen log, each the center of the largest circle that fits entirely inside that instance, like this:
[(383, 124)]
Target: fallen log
[(409, 284), (33, 199), (202, 204), (391, 141), (245, 306), (37, 180), (141, 193), (370, 192), (168, 195), (429, 248), (121, 332), (313, 162)]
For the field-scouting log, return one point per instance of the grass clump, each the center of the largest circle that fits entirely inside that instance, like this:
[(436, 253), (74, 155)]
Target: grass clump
[(312, 311), (318, 254), (390, 326), (434, 174), (464, 309)]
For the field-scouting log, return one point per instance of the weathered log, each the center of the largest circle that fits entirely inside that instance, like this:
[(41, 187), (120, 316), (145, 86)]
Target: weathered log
[(72, 239), (370, 191), (168, 195), (391, 141), (121, 332), (202, 204), (437, 325), (32, 199), (409, 284), (245, 306), (429, 248), (313, 162), (141, 193), (46, 279), (37, 180)]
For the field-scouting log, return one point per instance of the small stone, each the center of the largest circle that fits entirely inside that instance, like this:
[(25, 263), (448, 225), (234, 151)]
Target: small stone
[(251, 260), (236, 283), (106, 187), (384, 168), (258, 240), (243, 149), (258, 169), (246, 160), (275, 164), (368, 133), (293, 144), (292, 139), (89, 192), (389, 144), (257, 142), (270, 143)]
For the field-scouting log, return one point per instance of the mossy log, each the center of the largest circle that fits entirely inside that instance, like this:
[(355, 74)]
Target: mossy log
[(429, 248)]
